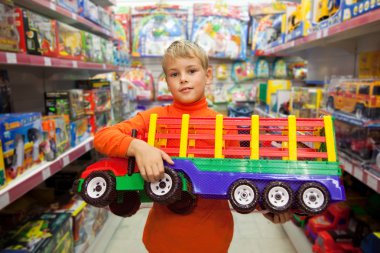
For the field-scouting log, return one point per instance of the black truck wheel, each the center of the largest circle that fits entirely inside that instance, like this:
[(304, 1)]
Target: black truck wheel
[(278, 197), (99, 189), (126, 204), (243, 196), (167, 190), (313, 198)]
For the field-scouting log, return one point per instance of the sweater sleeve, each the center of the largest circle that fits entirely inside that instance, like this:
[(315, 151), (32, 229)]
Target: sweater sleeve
[(114, 140)]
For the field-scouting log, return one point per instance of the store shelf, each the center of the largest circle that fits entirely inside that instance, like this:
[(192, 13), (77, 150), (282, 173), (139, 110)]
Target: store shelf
[(358, 170), (358, 26), (54, 11), (42, 61), (36, 175), (297, 237), (101, 241)]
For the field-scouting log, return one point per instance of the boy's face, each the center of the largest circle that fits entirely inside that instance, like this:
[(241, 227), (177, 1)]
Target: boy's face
[(187, 79)]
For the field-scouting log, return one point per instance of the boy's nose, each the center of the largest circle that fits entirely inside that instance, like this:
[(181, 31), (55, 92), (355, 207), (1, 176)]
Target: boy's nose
[(183, 79)]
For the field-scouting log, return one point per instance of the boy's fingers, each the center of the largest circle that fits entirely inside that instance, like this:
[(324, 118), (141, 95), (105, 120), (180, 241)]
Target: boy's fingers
[(166, 157)]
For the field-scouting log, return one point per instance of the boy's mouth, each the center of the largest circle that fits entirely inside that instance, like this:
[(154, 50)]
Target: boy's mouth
[(185, 89)]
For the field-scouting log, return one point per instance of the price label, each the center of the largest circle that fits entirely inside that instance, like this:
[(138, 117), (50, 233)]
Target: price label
[(66, 161), (46, 173), (87, 147), (358, 173), (74, 16), (11, 58), (4, 200), (47, 61), (372, 182), (52, 6), (75, 64)]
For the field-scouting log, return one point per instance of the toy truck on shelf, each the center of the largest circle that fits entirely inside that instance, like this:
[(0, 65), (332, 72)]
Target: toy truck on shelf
[(226, 158)]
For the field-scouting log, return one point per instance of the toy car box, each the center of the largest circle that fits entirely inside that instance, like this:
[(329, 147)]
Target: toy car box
[(38, 35), (62, 136), (351, 9), (79, 131), (97, 100), (21, 136), (99, 120), (70, 45), (325, 13), (9, 37), (69, 102), (47, 233)]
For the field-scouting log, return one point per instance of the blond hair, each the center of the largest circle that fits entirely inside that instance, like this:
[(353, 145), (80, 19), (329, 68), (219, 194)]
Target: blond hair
[(185, 49)]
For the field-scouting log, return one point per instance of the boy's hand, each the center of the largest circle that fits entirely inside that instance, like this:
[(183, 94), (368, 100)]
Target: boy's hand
[(278, 218), (149, 160)]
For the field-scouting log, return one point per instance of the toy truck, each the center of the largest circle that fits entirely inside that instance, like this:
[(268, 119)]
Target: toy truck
[(277, 178), (336, 217)]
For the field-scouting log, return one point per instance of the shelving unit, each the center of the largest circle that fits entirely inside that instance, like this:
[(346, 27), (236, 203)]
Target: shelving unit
[(43, 61), (36, 175), (54, 11), (349, 29)]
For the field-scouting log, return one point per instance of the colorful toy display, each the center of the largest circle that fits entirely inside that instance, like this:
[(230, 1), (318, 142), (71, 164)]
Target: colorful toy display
[(280, 68), (277, 179), (156, 27), (38, 35), (221, 72), (9, 36), (305, 102), (242, 71), (357, 98), (68, 102), (262, 68), (142, 80), (221, 30), (355, 8)]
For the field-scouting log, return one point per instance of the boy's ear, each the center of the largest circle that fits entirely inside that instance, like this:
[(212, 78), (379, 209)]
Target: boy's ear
[(209, 74)]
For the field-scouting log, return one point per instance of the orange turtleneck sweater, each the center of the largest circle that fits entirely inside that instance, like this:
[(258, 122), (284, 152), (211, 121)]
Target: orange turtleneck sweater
[(209, 228)]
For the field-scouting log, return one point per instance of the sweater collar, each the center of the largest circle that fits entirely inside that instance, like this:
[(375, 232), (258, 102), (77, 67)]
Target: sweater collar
[(200, 104)]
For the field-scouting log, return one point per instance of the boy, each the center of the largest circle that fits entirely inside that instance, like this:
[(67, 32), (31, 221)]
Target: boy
[(209, 227)]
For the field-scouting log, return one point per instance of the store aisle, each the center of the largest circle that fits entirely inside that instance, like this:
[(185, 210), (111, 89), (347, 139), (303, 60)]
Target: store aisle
[(253, 234)]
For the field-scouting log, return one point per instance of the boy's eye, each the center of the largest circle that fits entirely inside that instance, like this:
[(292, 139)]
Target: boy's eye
[(173, 74), (192, 71)]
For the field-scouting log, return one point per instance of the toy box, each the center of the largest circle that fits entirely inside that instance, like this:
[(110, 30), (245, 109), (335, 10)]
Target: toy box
[(122, 29), (71, 5), (221, 30), (280, 101), (105, 19), (267, 89), (95, 83), (79, 131), (9, 36), (89, 10), (355, 8), (268, 23), (70, 43), (2, 167), (68, 102), (99, 120), (156, 27), (143, 82), (305, 102), (106, 47), (47, 233), (62, 137), (38, 35), (299, 22), (49, 143), (96, 100), (21, 136), (326, 13)]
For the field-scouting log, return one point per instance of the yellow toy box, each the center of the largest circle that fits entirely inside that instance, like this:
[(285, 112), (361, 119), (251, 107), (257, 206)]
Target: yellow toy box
[(70, 43)]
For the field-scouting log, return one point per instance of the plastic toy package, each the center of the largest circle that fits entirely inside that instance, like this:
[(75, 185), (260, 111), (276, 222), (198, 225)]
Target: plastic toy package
[(326, 13), (221, 73), (89, 10), (21, 137), (92, 50), (123, 28), (79, 131), (62, 132), (9, 36), (71, 5), (68, 102), (70, 43), (306, 102), (267, 25), (262, 68), (38, 35), (280, 69), (221, 30), (156, 27), (242, 71), (143, 82)]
